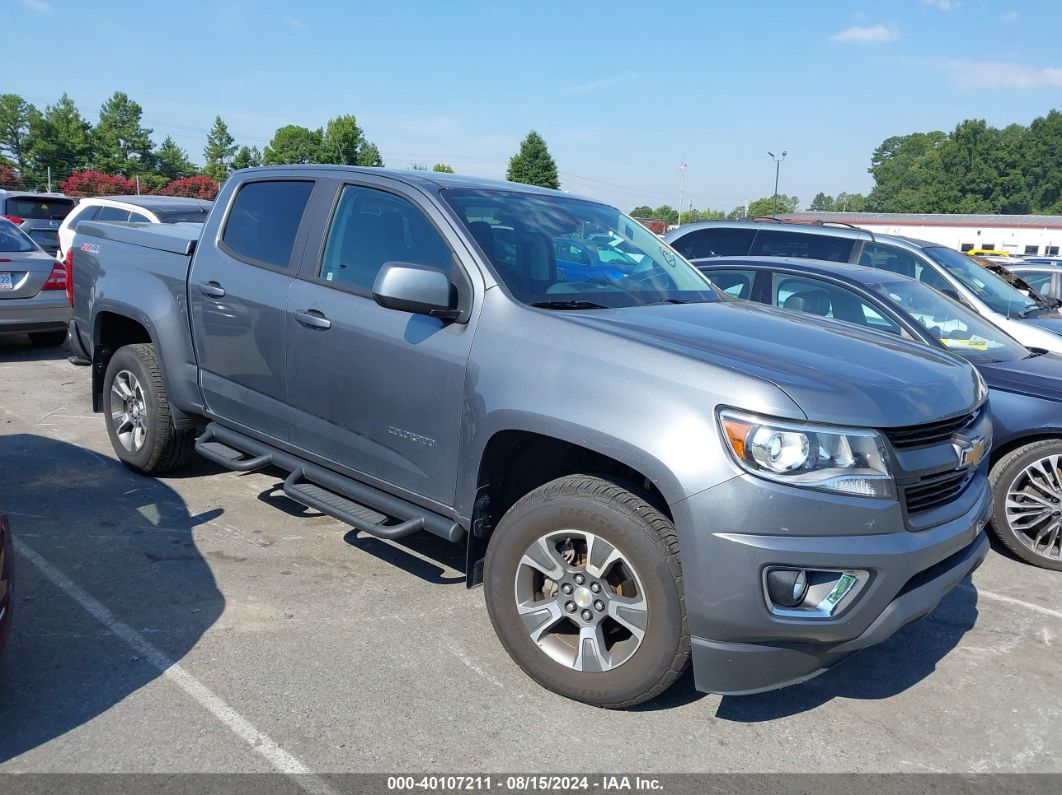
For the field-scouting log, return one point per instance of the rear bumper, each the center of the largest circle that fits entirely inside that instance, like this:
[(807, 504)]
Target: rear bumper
[(42, 312), (740, 646)]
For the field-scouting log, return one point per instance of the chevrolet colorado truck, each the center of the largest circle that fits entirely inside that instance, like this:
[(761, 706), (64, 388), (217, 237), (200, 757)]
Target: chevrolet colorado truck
[(643, 471)]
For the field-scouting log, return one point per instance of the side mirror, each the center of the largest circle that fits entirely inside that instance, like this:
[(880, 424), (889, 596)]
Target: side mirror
[(419, 289)]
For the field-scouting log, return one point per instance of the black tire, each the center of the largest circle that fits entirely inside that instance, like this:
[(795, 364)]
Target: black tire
[(47, 339), (1003, 477), (164, 447), (645, 538)]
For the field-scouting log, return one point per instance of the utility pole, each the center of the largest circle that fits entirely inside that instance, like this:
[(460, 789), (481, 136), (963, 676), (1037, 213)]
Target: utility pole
[(138, 186), (49, 179), (777, 169), (682, 186)]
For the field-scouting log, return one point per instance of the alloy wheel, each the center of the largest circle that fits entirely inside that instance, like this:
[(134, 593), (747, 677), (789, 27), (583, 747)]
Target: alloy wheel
[(1034, 507)]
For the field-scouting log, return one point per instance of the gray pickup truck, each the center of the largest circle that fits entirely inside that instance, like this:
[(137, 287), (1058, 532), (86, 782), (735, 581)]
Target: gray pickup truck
[(642, 470)]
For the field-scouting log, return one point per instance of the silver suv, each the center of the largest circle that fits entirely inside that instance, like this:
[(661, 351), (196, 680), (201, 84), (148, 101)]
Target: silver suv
[(37, 214), (1032, 323)]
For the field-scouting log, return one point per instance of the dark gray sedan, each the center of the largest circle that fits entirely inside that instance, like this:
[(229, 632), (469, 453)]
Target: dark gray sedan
[(33, 289)]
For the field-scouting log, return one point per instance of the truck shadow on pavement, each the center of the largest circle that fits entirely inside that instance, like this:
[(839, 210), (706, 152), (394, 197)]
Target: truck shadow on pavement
[(876, 673), (17, 348), (85, 529)]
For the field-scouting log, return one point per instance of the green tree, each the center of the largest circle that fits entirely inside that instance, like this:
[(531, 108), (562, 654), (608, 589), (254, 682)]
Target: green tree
[(293, 144), (821, 202), (665, 212), (1043, 163), (849, 203), (765, 207), (122, 145), (60, 140), (370, 156), (418, 166), (219, 150), (247, 157), (342, 141), (642, 211), (533, 164), (442, 168), (171, 162), (908, 175), (15, 115)]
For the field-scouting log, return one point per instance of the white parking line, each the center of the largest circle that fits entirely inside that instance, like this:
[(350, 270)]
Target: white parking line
[(1010, 600), (259, 741)]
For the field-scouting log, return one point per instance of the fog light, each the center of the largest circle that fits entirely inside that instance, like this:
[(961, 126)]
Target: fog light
[(787, 587)]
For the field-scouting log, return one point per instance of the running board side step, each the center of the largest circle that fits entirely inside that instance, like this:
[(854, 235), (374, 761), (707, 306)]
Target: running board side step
[(355, 514), (364, 507)]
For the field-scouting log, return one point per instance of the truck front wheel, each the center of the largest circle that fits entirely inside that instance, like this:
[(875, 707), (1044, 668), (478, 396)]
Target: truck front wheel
[(584, 588), (139, 422)]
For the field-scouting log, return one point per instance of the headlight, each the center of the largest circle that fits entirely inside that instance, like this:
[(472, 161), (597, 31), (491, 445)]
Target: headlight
[(982, 387), (846, 460)]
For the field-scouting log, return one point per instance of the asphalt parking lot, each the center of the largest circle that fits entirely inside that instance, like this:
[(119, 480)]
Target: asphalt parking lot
[(204, 623)]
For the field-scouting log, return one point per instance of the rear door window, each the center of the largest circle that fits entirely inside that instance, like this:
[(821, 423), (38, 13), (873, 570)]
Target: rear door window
[(88, 213), (108, 213), (264, 220), (784, 243), (138, 217), (894, 260), (822, 298), (735, 283), (715, 242)]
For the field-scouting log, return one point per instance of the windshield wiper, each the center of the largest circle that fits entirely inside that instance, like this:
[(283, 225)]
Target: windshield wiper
[(1036, 307), (568, 305)]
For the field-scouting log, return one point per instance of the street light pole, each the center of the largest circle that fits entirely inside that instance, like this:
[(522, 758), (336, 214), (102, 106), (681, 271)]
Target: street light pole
[(777, 169)]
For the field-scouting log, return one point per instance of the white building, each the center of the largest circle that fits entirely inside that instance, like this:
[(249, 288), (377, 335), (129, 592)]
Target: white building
[(1028, 235)]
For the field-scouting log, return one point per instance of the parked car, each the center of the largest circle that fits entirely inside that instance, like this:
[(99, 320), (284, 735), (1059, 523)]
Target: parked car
[(143, 209), (1007, 270), (1025, 386), (640, 471), (33, 297), (1045, 279), (1042, 260), (7, 574), (953, 273), (37, 214)]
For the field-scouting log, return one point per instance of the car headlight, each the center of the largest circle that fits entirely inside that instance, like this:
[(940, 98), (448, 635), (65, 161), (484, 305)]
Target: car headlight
[(982, 387), (845, 460)]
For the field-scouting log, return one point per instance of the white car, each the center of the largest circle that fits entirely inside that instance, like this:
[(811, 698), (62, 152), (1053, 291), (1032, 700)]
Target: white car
[(144, 209)]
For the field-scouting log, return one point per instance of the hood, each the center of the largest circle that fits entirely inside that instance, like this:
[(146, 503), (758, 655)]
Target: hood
[(1052, 321), (1038, 376), (835, 372)]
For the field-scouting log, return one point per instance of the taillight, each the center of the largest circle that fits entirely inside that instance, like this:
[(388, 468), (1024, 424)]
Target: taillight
[(70, 276), (14, 219), (57, 278)]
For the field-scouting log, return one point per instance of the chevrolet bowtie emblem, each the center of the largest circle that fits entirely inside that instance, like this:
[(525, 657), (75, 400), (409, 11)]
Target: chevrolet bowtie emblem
[(970, 451)]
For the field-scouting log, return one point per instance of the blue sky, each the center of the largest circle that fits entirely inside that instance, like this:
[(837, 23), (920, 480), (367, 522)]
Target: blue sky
[(621, 91)]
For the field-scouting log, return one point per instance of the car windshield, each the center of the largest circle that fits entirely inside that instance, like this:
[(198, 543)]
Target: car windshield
[(997, 294), (958, 328), (182, 216), (40, 209), (567, 253), (13, 239)]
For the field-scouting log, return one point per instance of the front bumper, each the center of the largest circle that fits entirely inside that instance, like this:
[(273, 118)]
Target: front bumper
[(43, 312), (740, 646)]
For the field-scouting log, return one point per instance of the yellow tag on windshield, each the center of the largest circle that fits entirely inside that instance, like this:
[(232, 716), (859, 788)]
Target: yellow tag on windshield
[(974, 343)]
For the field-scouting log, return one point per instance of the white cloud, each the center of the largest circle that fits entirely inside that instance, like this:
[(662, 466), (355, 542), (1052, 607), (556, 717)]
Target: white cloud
[(871, 34), (1009, 16), (608, 81), (39, 6), (1001, 74), (943, 5)]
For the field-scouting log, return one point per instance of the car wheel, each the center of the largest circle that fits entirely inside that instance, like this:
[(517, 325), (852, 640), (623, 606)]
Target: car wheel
[(584, 588), (139, 422), (47, 339), (1027, 502)]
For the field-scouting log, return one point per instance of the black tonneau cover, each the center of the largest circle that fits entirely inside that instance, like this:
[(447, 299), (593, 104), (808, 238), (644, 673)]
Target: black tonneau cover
[(174, 238)]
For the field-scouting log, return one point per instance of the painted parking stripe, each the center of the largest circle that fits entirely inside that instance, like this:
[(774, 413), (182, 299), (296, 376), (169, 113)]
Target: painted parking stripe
[(259, 741), (1010, 600)]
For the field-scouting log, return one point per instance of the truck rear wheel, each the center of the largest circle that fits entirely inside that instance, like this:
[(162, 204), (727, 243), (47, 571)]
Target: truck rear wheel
[(139, 422), (584, 588), (1027, 502)]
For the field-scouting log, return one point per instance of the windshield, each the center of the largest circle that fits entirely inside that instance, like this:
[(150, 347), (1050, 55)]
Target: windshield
[(568, 253), (14, 239), (958, 328), (182, 216), (43, 209), (997, 294)]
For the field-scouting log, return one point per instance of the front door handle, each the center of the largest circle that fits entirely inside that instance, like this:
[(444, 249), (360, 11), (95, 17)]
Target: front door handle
[(311, 318), (212, 289)]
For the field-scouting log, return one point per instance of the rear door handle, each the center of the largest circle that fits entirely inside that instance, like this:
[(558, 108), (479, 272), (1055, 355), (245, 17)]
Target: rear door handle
[(311, 318), (212, 289)]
